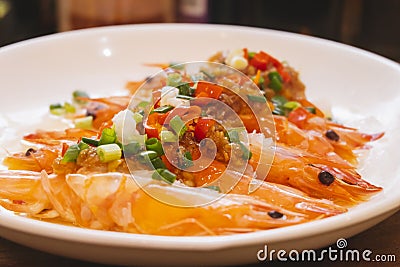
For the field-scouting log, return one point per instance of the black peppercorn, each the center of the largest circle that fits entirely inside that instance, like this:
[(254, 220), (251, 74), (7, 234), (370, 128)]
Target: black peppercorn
[(275, 214), (29, 152), (326, 178), (332, 135)]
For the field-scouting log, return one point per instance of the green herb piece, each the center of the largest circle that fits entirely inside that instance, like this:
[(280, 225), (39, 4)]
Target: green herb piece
[(257, 98), (177, 125), (131, 149), (291, 105), (71, 154), (108, 136), (246, 152), (84, 123), (163, 109), (78, 94), (174, 79), (168, 137), (90, 141), (155, 145), (109, 152), (275, 81)]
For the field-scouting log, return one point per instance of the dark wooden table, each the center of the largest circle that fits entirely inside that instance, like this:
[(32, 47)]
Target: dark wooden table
[(383, 239)]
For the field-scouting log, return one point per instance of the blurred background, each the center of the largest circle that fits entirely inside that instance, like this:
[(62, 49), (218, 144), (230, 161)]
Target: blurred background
[(369, 24)]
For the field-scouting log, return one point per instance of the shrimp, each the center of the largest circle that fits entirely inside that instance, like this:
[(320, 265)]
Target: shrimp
[(319, 136), (302, 170), (115, 202)]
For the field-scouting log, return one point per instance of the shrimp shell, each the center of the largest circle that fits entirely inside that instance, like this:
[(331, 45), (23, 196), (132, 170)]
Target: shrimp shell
[(114, 201)]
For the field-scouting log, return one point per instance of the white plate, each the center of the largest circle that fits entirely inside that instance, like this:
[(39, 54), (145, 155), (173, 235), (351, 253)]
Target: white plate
[(37, 72)]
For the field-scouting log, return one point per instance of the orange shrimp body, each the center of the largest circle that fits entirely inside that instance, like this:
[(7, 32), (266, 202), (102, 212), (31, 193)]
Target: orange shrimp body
[(300, 169), (113, 201)]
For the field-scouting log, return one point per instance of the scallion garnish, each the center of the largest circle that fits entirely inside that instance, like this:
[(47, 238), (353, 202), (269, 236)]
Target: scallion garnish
[(158, 163), (177, 125), (57, 109), (291, 105), (69, 108), (257, 98), (184, 89), (109, 152), (137, 117), (165, 175), (71, 154), (163, 109), (84, 123), (78, 94), (174, 79), (147, 156), (233, 136), (246, 153), (311, 110), (155, 145), (168, 137), (214, 187), (131, 149), (108, 136), (83, 146), (275, 81), (279, 100), (90, 141)]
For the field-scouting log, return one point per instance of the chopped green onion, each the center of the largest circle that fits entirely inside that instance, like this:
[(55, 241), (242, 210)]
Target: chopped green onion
[(176, 65), (143, 104), (137, 117), (163, 109), (108, 136), (155, 145), (177, 125), (184, 89), (69, 108), (311, 110), (187, 155), (71, 154), (84, 123), (186, 97), (292, 105), (187, 160), (168, 137), (158, 163), (279, 100), (257, 98), (55, 106), (208, 75), (57, 109), (83, 146), (90, 141), (165, 175), (275, 81), (131, 149), (174, 79), (246, 152), (279, 111), (233, 136), (214, 187), (260, 80), (146, 156), (109, 152), (251, 54), (79, 94)]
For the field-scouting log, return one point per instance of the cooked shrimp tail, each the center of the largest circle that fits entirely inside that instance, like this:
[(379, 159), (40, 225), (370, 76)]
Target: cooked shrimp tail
[(114, 201)]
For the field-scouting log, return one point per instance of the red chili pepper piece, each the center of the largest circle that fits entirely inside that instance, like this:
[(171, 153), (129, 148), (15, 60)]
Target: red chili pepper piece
[(202, 127)]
